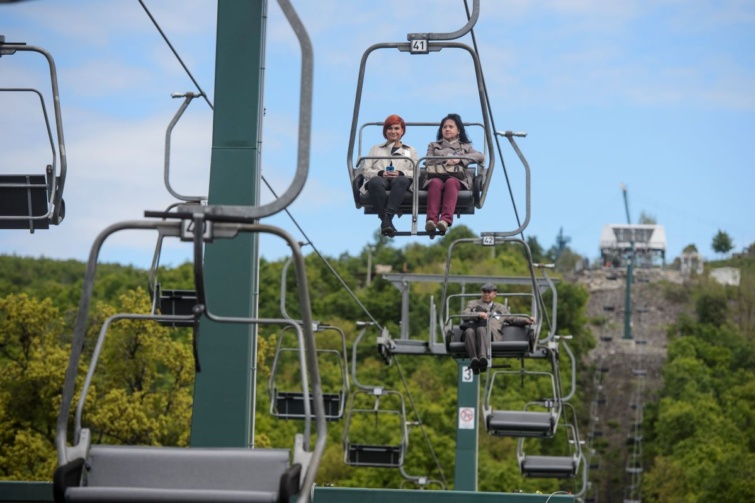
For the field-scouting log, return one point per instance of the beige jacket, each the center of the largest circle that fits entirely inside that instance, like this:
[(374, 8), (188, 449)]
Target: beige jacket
[(445, 148), (404, 160)]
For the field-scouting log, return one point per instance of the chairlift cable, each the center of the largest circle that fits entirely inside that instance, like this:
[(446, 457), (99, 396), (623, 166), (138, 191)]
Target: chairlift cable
[(492, 121), (325, 261), (498, 146), (204, 95), (421, 424), (154, 21)]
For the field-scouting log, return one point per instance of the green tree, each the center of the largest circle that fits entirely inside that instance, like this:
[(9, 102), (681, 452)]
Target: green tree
[(722, 243), (32, 366), (142, 388)]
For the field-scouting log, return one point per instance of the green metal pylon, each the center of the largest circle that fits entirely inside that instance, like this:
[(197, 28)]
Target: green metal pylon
[(225, 388)]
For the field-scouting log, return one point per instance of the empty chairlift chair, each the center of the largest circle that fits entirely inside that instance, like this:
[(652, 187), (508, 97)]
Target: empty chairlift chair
[(555, 466), (289, 404), (34, 201), (375, 431), (110, 473), (176, 303), (535, 419), (366, 429)]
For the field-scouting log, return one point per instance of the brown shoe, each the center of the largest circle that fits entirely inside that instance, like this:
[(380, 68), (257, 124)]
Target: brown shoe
[(442, 226)]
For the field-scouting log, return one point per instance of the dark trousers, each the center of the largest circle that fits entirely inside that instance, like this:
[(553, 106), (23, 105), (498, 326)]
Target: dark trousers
[(448, 190), (382, 201), (477, 342)]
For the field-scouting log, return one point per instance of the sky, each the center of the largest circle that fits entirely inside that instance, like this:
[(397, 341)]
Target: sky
[(657, 95)]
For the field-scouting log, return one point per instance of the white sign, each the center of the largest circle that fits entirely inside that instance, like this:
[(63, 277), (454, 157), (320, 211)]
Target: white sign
[(467, 375), (466, 418)]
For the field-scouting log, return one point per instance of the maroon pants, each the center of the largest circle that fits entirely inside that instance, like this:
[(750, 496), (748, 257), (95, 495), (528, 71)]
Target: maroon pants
[(448, 190)]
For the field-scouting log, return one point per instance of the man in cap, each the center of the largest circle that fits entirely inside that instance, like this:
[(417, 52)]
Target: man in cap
[(484, 312)]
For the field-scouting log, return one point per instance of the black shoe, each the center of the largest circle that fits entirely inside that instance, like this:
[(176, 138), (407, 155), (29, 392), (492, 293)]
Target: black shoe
[(474, 364), (386, 225), (483, 364)]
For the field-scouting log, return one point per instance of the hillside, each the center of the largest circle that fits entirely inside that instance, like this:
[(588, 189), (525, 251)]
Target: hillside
[(623, 360)]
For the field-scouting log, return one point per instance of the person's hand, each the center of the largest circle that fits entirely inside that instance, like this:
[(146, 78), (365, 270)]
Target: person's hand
[(390, 174), (483, 316), (451, 162)]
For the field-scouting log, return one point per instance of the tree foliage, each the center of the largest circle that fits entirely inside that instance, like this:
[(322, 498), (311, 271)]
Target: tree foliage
[(143, 383), (702, 441), (722, 242)]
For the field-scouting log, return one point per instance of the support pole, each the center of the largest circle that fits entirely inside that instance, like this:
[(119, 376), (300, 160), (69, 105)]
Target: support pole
[(224, 390), (467, 431), (630, 274)]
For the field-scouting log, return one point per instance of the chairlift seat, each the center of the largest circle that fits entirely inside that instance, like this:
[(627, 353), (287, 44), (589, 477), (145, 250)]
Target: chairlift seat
[(561, 467), (24, 198), (290, 405), (177, 302), (465, 204), (175, 474), (518, 423), (517, 342), (385, 456)]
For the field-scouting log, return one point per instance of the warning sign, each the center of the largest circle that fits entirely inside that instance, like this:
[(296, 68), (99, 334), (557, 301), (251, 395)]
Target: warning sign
[(466, 418)]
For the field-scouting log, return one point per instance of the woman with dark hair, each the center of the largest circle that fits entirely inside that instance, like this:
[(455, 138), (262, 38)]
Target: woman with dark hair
[(389, 167), (445, 177)]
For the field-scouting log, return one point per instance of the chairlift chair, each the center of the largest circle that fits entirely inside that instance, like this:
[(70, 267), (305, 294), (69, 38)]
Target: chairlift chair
[(391, 455), (561, 466), (467, 201), (518, 341), (387, 406), (90, 472), (524, 422), (423, 44), (174, 302), (290, 404), (35, 200)]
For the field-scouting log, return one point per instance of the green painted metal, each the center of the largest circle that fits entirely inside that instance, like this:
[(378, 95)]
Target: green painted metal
[(349, 495), (467, 428), (225, 388), (13, 491)]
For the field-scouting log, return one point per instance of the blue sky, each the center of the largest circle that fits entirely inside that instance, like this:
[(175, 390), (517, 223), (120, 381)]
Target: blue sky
[(656, 94)]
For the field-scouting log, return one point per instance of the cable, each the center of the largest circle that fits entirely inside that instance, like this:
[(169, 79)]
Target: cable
[(338, 276), (204, 95), (419, 420), (500, 154), (353, 296)]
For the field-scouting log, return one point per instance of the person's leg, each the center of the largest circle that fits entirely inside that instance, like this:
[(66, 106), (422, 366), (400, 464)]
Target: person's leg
[(398, 188), (484, 345), (434, 192), (471, 345), (450, 195), (376, 187)]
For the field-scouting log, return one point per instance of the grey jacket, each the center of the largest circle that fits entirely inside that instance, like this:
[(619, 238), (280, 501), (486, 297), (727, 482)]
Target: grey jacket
[(495, 312), (400, 160), (455, 148)]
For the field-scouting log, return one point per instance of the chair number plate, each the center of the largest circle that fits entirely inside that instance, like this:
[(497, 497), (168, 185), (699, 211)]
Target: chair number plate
[(419, 47), (488, 240)]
